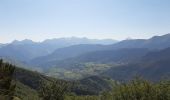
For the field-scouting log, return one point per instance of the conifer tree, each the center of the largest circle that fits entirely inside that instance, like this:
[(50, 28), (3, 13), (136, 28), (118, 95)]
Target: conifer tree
[(7, 86)]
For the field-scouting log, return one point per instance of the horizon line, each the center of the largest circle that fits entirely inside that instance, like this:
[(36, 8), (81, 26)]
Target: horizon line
[(69, 37)]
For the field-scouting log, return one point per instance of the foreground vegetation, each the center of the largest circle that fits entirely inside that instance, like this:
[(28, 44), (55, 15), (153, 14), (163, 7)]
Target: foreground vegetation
[(134, 90), (43, 88), (7, 86)]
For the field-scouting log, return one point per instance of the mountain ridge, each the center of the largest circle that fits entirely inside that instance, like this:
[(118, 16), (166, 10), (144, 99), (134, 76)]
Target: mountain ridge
[(26, 50), (153, 66)]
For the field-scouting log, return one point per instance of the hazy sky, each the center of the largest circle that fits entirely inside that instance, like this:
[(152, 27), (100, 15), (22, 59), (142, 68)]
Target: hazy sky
[(116, 19)]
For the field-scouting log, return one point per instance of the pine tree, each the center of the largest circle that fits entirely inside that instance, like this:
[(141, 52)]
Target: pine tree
[(7, 86)]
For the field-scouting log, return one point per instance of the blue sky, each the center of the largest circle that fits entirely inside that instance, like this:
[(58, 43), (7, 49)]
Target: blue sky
[(116, 19)]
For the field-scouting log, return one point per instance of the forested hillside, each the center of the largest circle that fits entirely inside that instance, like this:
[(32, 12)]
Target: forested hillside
[(25, 84), (21, 84), (153, 66)]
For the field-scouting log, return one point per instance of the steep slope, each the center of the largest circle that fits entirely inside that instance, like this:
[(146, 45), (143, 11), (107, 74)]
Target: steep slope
[(154, 66), (156, 42), (157, 55), (25, 92)]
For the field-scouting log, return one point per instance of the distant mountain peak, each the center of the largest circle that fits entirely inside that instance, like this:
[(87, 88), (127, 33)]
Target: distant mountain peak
[(162, 36), (25, 41), (78, 40), (15, 41)]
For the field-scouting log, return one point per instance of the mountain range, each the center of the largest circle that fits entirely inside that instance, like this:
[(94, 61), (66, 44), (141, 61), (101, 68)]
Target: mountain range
[(27, 49), (93, 52), (78, 58)]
